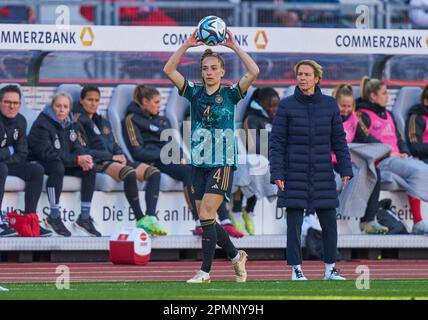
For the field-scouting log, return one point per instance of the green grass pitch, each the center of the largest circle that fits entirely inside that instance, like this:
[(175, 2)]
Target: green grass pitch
[(224, 290)]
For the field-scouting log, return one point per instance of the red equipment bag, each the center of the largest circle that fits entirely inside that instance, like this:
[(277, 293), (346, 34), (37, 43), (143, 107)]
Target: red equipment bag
[(27, 225)]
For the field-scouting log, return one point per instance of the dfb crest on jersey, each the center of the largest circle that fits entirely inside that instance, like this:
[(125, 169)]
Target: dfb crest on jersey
[(154, 128), (219, 99), (57, 144), (97, 130), (4, 141), (73, 135), (106, 130), (15, 134)]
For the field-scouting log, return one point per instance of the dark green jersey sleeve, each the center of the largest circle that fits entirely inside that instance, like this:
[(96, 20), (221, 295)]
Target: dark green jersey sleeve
[(189, 90), (235, 93)]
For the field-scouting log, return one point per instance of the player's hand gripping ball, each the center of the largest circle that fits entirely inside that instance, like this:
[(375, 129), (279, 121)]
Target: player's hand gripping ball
[(211, 30)]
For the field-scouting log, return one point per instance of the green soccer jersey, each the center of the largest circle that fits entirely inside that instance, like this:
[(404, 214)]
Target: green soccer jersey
[(213, 142)]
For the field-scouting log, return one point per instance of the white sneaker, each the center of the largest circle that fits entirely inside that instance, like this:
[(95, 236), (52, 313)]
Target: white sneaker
[(297, 274), (3, 289), (333, 274), (420, 228), (200, 277), (239, 267)]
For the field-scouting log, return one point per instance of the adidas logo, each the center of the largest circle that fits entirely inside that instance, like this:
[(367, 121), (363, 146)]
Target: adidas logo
[(214, 186), (387, 131)]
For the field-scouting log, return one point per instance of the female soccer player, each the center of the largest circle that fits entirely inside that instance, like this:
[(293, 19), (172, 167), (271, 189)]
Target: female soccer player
[(109, 158), (380, 123), (344, 95), (259, 115), (417, 128), (143, 127), (213, 118)]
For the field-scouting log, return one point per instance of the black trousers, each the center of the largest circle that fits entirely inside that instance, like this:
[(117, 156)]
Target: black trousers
[(373, 202), (56, 171), (32, 174), (328, 224)]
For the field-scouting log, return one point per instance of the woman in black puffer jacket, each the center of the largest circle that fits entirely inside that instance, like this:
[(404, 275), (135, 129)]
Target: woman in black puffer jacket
[(306, 128), (53, 142)]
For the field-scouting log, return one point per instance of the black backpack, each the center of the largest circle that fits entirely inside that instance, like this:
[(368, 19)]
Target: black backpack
[(314, 246), (389, 218)]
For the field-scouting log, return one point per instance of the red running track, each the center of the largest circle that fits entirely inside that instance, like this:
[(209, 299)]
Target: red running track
[(222, 270)]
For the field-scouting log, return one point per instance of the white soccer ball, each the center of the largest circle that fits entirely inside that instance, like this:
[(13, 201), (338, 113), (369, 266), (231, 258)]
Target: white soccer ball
[(211, 30)]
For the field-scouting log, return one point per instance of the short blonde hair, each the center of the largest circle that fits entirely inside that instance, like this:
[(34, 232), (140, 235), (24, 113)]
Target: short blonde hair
[(62, 94), (313, 64)]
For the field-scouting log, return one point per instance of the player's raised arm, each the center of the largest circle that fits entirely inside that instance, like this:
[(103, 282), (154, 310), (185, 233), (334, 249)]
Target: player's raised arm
[(171, 66), (252, 68)]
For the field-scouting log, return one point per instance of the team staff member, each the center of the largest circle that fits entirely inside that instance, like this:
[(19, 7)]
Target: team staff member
[(109, 158), (213, 109), (14, 152), (53, 143), (306, 128), (417, 128)]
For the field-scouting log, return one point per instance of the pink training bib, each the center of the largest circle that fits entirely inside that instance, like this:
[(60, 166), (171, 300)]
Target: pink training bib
[(350, 127), (425, 134), (383, 129)]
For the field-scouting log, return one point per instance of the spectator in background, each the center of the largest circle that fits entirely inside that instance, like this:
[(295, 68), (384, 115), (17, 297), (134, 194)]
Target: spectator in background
[(136, 15), (53, 143), (16, 14), (417, 128), (419, 16), (380, 123), (285, 17), (304, 16), (14, 68), (13, 159), (259, 115)]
